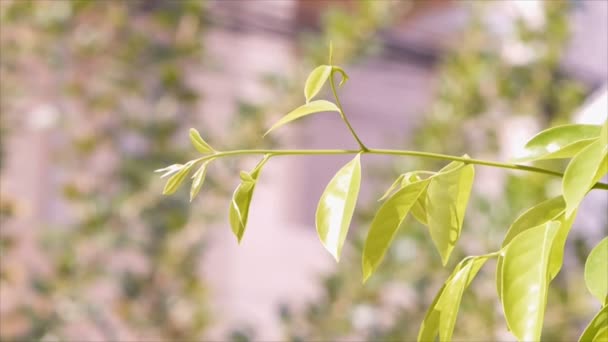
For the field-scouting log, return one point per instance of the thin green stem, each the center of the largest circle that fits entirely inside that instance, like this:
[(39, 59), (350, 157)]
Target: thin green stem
[(342, 115), (273, 153)]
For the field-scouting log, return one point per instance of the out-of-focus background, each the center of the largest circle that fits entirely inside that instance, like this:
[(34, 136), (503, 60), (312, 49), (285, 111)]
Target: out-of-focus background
[(95, 95)]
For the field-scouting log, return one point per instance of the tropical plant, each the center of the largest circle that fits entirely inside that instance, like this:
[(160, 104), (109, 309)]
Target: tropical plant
[(532, 251)]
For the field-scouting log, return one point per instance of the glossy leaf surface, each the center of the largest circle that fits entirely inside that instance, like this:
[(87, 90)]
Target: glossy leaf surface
[(337, 205), (596, 271), (440, 319), (550, 210), (597, 330), (241, 200), (197, 180), (385, 224), (560, 142), (446, 201), (177, 179), (525, 280), (198, 142), (315, 81), (307, 109), (582, 173)]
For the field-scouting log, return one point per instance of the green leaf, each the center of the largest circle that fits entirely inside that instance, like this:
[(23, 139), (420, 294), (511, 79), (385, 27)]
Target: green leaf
[(596, 271), (560, 142), (525, 275), (337, 205), (198, 142), (445, 204), (385, 224), (582, 173), (197, 180), (343, 73), (315, 81), (176, 180), (597, 330), (440, 319), (550, 210), (241, 200), (419, 208), (309, 108)]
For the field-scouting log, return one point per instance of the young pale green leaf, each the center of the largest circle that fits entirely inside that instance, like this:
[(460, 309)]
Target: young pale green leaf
[(560, 142), (198, 142), (241, 200), (419, 208), (525, 277), (343, 73), (176, 180), (197, 180), (307, 109), (596, 271), (446, 201), (597, 330), (582, 173), (337, 205), (550, 210), (385, 224), (315, 81), (440, 319), (169, 170)]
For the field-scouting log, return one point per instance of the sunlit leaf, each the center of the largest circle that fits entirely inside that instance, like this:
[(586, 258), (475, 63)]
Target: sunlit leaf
[(385, 224), (197, 180), (441, 316), (337, 205), (169, 170), (198, 142), (307, 109), (583, 171), (550, 210), (176, 180), (525, 275), (560, 142), (597, 330), (446, 201), (315, 81), (596, 271), (241, 200)]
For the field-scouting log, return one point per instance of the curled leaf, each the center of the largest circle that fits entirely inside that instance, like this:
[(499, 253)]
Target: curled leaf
[(177, 179), (583, 171), (169, 170), (197, 141), (343, 73), (197, 180), (307, 109), (337, 205), (241, 200)]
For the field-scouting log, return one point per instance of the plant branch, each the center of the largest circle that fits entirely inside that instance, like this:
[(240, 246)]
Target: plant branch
[(482, 162), (342, 115)]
